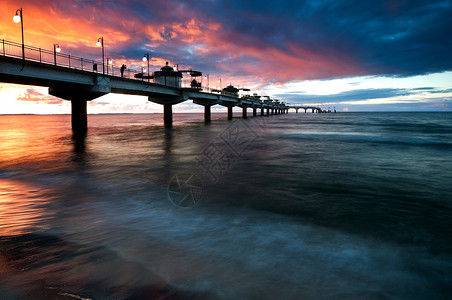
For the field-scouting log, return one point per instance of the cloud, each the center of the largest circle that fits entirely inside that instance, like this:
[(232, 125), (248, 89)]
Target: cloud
[(275, 41), (400, 95), (32, 95)]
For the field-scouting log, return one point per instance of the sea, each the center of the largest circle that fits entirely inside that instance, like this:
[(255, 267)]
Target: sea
[(294, 206)]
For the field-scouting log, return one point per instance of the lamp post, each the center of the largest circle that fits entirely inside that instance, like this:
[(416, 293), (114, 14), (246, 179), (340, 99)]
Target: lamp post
[(100, 42), (56, 48), (219, 80), (19, 18), (146, 58)]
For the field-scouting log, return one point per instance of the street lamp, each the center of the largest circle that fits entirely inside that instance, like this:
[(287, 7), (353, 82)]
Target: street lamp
[(56, 48), (19, 18), (146, 58), (219, 80), (100, 42)]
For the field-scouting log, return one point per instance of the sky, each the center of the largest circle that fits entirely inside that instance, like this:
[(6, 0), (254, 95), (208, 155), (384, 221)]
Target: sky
[(393, 55)]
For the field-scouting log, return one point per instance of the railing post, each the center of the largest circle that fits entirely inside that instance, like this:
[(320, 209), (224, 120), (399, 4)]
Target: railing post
[(40, 56), (81, 63), (4, 47), (69, 61)]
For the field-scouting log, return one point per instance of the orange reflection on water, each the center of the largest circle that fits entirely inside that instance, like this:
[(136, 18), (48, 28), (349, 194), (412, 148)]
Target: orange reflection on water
[(22, 207), (29, 140)]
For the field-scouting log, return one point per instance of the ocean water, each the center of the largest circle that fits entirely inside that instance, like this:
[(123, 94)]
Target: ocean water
[(298, 206)]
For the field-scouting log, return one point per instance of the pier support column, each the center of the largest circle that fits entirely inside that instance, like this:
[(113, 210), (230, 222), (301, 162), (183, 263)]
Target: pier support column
[(168, 115), (262, 111), (207, 114), (244, 115), (229, 112), (254, 111), (79, 116), (268, 111)]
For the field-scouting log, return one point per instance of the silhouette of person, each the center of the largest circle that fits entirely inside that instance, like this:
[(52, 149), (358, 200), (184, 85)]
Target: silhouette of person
[(194, 83), (123, 67)]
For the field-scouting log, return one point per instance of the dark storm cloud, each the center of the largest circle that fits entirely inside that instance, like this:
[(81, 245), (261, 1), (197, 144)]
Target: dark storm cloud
[(383, 37), (278, 41)]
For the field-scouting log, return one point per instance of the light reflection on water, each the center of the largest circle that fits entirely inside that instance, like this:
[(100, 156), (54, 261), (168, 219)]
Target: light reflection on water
[(22, 208)]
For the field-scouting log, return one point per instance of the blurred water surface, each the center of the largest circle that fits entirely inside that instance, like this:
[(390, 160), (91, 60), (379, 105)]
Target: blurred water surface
[(298, 206)]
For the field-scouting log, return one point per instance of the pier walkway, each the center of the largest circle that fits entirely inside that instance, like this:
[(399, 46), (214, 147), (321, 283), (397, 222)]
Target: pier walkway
[(80, 80)]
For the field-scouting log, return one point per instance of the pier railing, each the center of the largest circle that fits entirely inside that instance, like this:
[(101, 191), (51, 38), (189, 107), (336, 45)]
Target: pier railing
[(43, 56), (31, 53)]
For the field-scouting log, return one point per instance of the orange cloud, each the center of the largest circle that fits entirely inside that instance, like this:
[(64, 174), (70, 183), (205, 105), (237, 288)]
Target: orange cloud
[(31, 95)]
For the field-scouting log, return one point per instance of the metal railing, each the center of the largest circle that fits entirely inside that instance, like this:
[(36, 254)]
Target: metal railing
[(31, 53)]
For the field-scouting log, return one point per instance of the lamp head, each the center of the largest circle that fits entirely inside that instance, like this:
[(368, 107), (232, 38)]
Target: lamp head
[(16, 18)]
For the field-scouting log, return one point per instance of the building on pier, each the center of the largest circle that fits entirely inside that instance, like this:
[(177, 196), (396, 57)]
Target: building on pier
[(231, 90), (167, 76)]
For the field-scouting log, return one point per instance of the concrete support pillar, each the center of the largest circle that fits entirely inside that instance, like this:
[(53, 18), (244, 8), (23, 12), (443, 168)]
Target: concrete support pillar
[(244, 115), (229, 112), (254, 111), (296, 111), (168, 115), (207, 114), (262, 111), (79, 116), (268, 111)]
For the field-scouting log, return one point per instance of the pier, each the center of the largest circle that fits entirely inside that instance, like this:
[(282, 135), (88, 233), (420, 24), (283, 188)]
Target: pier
[(81, 80)]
